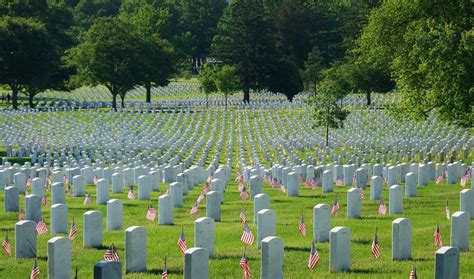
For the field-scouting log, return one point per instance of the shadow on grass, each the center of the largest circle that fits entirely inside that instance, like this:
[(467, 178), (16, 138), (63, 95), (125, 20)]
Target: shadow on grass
[(299, 249), (42, 258), (226, 257), (362, 241), (159, 271)]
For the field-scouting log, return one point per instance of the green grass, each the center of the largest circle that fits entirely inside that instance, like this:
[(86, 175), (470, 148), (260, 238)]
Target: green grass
[(424, 211)]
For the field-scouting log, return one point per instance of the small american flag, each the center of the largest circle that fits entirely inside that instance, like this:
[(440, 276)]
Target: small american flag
[(382, 208), (439, 180), (41, 227), (240, 178), (376, 247), (6, 246), (48, 183), (335, 207), (339, 182), (354, 180), (307, 183), (21, 215), (182, 242), (35, 271), (247, 236), (313, 183), (465, 177), (69, 191), (302, 227), (200, 198), (413, 273), (111, 254), (131, 194), (446, 210), (244, 264), (95, 179), (150, 213), (437, 237), (194, 210), (66, 179), (206, 188), (164, 274), (362, 193), (88, 199), (244, 194), (243, 219), (29, 182), (240, 186), (313, 257), (44, 200), (283, 188), (274, 183), (73, 231)]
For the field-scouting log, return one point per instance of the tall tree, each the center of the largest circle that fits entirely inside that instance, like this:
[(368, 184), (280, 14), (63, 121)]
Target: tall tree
[(207, 81), (312, 69), (150, 24), (26, 56), (109, 55), (227, 81), (245, 40)]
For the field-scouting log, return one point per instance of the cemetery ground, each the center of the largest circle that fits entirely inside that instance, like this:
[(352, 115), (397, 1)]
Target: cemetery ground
[(425, 211)]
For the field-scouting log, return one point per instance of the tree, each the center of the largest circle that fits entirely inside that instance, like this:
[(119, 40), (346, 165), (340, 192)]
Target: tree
[(226, 81), (207, 81), (286, 79), (312, 68), (435, 70), (109, 55), (156, 53), (245, 40), (324, 103), (26, 56)]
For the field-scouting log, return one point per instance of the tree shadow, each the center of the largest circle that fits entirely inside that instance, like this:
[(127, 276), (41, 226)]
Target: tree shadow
[(159, 271), (298, 249)]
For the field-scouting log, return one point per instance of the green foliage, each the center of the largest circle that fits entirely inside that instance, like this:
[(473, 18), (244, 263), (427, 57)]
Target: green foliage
[(245, 41), (324, 103), (286, 79), (312, 68), (207, 79), (109, 55), (27, 58), (434, 70)]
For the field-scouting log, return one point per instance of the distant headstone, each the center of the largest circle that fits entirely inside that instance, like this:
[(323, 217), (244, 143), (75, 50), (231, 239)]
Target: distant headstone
[(144, 187), (59, 218), (467, 202), (117, 183), (78, 185), (261, 201), (292, 184), (58, 194), (328, 182), (213, 205), (396, 199), (176, 191), (410, 185), (114, 214), (165, 210), (255, 186), (12, 199), (460, 230), (103, 186), (353, 203), (376, 183), (33, 208)]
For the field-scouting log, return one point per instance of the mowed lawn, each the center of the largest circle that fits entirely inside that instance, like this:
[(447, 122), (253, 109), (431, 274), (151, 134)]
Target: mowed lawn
[(425, 211)]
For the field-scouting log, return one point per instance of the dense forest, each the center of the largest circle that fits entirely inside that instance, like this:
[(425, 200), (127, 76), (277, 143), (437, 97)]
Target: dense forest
[(421, 48)]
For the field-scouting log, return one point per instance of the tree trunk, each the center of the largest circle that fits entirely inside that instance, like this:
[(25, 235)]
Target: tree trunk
[(369, 101), (246, 93), (225, 97), (14, 97), (114, 101), (122, 97), (327, 134), (31, 95), (148, 92)]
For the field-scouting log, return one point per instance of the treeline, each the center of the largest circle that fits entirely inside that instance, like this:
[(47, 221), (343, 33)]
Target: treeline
[(422, 48)]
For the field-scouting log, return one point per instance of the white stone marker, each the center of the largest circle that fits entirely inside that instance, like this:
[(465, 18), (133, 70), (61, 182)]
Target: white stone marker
[(261, 201), (103, 186), (59, 258), (93, 229), (447, 263), (12, 199), (144, 187), (107, 270), (255, 186), (340, 249), (376, 183), (467, 202), (37, 186), (117, 183), (395, 199), (328, 182), (58, 194), (321, 222), (135, 249), (204, 234), (196, 263), (213, 205), (401, 239), (176, 191), (410, 185), (265, 225), (59, 218), (353, 203), (460, 230), (25, 239), (33, 208), (292, 184), (272, 258), (165, 210), (114, 215)]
